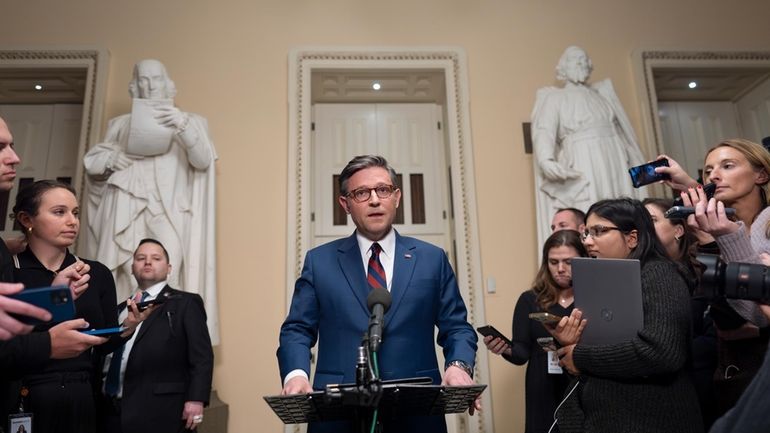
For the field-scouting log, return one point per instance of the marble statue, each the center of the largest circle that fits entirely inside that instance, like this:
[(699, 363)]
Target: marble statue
[(153, 177), (583, 142)]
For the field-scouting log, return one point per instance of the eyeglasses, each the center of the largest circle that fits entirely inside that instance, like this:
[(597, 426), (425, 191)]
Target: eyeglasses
[(597, 231), (361, 195)]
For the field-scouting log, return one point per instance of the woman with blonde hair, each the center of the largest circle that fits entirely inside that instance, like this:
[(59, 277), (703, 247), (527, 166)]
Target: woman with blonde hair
[(740, 169)]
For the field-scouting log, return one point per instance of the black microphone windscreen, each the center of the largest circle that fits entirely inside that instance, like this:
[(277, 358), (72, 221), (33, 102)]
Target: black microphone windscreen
[(379, 296)]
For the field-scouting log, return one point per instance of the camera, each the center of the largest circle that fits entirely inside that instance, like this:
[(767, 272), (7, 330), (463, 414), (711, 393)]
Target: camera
[(733, 280)]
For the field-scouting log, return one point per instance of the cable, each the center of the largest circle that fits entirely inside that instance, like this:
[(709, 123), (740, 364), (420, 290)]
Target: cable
[(555, 420), (376, 374)]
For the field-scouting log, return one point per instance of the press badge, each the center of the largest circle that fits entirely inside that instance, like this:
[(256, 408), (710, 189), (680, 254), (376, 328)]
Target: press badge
[(553, 363), (20, 423)]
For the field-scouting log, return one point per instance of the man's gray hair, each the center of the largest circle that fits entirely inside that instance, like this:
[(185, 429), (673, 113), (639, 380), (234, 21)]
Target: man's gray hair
[(133, 86), (361, 162)]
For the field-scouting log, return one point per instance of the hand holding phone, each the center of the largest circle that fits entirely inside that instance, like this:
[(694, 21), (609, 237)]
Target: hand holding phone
[(489, 330), (645, 174)]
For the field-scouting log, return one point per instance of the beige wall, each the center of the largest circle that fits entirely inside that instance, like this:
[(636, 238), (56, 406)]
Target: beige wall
[(229, 61)]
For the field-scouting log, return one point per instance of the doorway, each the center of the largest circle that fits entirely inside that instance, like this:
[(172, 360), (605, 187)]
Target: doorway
[(451, 64), (694, 99), (52, 100)]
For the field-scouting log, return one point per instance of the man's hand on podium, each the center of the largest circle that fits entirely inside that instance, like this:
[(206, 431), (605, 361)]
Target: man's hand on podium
[(297, 385), (456, 376)]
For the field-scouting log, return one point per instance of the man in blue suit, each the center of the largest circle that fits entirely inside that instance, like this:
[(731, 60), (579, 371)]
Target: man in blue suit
[(329, 302)]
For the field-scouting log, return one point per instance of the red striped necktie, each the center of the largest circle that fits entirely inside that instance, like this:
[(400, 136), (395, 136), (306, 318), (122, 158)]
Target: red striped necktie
[(376, 273)]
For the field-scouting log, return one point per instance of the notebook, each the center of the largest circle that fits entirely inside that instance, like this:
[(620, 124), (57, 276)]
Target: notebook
[(609, 293)]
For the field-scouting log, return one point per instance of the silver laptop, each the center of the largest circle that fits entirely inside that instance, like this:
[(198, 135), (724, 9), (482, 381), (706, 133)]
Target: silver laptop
[(609, 293)]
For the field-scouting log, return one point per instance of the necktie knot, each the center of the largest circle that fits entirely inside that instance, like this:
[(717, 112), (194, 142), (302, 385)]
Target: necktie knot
[(376, 248)]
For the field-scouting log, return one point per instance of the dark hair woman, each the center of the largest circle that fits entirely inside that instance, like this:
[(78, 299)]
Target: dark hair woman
[(552, 292), (639, 385), (60, 393)]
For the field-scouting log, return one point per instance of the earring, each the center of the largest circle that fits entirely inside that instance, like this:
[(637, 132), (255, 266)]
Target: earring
[(677, 238), (29, 229)]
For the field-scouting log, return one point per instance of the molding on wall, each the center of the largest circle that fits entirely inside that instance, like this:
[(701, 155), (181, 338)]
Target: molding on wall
[(452, 61), (95, 61), (646, 59)]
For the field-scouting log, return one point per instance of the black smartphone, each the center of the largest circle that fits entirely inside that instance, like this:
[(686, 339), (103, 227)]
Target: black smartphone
[(545, 317), (105, 332), (141, 306), (709, 189), (57, 300), (682, 212), (548, 343), (488, 330), (645, 174)]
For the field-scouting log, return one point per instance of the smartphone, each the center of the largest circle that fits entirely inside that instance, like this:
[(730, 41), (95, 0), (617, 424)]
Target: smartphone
[(645, 174), (548, 343), (105, 332), (544, 317), (682, 212), (709, 189), (488, 330), (141, 306), (57, 300)]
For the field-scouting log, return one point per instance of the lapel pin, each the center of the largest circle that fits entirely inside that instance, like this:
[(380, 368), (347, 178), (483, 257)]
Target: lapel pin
[(407, 256)]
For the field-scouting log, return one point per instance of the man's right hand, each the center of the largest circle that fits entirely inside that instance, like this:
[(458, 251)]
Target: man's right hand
[(297, 385), (118, 161), (497, 346), (9, 325), (68, 342), (556, 172)]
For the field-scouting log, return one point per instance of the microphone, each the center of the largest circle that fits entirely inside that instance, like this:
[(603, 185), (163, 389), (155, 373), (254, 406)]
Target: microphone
[(378, 301)]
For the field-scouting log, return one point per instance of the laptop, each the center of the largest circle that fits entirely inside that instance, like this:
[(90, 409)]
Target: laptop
[(609, 293)]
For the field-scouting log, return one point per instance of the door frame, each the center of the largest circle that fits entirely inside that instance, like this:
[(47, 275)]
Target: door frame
[(453, 61), (95, 60), (645, 60)]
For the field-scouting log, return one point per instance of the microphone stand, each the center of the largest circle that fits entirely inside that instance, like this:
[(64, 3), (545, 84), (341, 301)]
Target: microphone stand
[(366, 394)]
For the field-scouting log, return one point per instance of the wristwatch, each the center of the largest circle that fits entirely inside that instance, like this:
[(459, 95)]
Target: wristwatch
[(462, 364)]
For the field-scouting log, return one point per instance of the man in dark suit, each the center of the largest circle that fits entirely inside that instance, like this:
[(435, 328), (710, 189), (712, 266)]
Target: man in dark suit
[(330, 301), (161, 379)]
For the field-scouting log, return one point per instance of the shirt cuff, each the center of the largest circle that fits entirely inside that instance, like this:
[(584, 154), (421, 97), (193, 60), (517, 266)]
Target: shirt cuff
[(294, 373)]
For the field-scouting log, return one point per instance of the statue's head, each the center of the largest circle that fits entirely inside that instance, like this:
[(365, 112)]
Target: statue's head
[(151, 81), (574, 65)]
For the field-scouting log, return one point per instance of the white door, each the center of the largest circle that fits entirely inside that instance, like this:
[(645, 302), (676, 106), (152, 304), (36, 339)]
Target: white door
[(46, 140), (409, 137), (689, 129), (754, 112)]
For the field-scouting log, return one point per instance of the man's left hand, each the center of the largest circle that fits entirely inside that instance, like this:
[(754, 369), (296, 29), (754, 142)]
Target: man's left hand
[(456, 376), (192, 414)]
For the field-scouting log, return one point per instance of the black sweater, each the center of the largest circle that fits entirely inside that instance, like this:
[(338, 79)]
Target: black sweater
[(640, 385)]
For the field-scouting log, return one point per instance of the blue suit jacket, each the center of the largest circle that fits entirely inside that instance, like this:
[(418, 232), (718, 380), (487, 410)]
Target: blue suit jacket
[(329, 306)]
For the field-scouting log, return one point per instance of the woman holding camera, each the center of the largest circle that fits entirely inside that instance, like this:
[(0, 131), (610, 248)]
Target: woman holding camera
[(740, 169), (638, 385), (551, 292)]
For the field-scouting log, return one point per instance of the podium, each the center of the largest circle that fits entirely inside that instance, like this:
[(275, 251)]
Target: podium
[(398, 399)]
